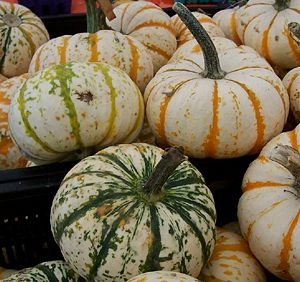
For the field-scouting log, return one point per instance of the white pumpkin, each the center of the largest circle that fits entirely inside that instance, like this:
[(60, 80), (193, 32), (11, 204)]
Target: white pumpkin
[(163, 276)]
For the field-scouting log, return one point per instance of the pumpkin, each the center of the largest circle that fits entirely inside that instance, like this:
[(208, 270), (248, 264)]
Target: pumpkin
[(5, 273), (268, 210), (22, 32), (68, 111), (184, 35), (227, 21), (46, 272), (214, 112), (263, 25), (292, 83), (163, 276), (232, 260), (10, 156), (150, 25), (131, 209)]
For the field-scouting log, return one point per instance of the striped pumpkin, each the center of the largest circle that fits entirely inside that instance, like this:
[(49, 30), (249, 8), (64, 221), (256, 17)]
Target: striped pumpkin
[(214, 112), (227, 21), (292, 83), (150, 25), (269, 210), (73, 109), (232, 261), (127, 210), (183, 35), (45, 272), (263, 25), (107, 46), (163, 276), (22, 32), (10, 156)]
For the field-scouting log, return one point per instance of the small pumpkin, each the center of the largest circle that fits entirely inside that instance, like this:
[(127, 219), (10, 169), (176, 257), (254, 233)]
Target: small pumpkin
[(163, 276), (45, 272), (219, 108), (183, 34), (269, 210), (232, 260), (263, 25), (22, 32), (147, 210), (68, 111), (149, 24), (10, 156)]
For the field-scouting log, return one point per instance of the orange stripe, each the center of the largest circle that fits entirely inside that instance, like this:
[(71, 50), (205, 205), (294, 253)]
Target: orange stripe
[(160, 126), (263, 159), (134, 60), (248, 23), (293, 45), (158, 51), (154, 24), (62, 50), (293, 139), (37, 59), (295, 10), (262, 184), (94, 50), (287, 246), (293, 78), (196, 49), (123, 14), (233, 26), (212, 141)]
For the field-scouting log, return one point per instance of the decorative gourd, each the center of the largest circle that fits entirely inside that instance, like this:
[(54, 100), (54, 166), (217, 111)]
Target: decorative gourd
[(214, 112), (263, 25), (46, 272), (269, 210), (227, 21), (22, 32), (183, 35), (10, 156), (68, 111), (232, 261), (131, 209), (150, 25), (163, 276)]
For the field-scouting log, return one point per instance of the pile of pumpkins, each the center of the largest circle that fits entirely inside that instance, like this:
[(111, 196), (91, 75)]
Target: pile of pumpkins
[(112, 99)]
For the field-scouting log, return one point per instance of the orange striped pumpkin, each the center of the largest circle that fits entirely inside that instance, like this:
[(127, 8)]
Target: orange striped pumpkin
[(232, 261), (106, 46), (150, 25), (183, 35), (214, 112), (269, 209), (22, 32), (263, 25), (10, 156), (227, 21)]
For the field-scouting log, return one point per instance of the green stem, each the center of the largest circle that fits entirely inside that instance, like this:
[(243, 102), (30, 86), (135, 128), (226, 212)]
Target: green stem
[(211, 60), (92, 16), (162, 171), (280, 5)]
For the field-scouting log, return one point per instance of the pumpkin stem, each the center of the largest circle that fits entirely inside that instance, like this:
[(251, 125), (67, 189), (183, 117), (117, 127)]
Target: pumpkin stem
[(294, 29), (280, 5), (211, 60), (162, 171), (290, 159)]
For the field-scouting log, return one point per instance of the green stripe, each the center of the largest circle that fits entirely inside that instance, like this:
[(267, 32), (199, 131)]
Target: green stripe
[(28, 129), (7, 42), (49, 273)]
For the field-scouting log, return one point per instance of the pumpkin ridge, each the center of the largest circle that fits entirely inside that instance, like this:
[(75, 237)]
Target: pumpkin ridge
[(92, 39), (157, 50), (29, 40), (24, 21), (5, 47), (2, 10), (263, 184), (38, 58), (248, 23), (154, 24), (233, 26), (295, 10), (162, 119), (49, 274), (135, 60)]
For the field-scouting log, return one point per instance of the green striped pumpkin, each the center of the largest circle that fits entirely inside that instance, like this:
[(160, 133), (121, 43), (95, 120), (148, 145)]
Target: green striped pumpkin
[(72, 110), (51, 271), (22, 32), (126, 210)]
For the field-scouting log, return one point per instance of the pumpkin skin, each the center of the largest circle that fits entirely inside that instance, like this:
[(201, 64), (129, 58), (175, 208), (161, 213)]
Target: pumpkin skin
[(133, 235), (106, 46), (5, 273), (227, 21), (232, 261), (224, 118), (183, 34), (10, 156), (292, 83), (265, 29), (22, 32), (45, 272), (150, 25), (163, 276), (76, 106), (269, 205)]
